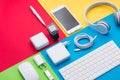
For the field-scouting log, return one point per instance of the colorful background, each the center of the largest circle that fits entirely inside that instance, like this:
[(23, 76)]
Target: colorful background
[(77, 7), (18, 24)]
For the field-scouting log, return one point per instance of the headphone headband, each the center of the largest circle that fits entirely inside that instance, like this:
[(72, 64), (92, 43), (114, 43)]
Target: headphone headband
[(95, 5)]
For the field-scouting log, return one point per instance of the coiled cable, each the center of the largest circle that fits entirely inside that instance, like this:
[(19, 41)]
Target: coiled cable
[(83, 46)]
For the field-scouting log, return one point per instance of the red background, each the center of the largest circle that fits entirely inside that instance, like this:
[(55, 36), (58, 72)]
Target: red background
[(17, 25)]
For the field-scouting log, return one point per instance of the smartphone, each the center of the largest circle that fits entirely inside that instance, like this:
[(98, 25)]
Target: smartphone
[(66, 19)]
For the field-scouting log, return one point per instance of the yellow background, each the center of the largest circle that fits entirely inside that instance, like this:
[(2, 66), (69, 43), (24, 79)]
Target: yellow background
[(77, 8)]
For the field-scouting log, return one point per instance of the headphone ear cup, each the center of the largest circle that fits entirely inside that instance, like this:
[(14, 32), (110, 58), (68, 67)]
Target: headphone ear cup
[(102, 27), (104, 24), (117, 17)]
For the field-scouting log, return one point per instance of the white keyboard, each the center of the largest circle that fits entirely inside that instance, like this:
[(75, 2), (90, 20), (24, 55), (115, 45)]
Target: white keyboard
[(94, 64)]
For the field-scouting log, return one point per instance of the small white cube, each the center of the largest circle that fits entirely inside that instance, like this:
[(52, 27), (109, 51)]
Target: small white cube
[(39, 40), (58, 53)]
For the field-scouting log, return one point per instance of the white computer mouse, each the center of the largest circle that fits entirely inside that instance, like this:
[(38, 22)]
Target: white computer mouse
[(28, 72)]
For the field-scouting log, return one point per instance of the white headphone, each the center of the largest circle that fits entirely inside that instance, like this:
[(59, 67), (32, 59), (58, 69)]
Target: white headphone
[(102, 26)]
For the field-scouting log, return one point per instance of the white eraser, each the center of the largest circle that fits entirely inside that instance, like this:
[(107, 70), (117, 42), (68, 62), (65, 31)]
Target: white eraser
[(39, 40), (38, 60), (58, 53)]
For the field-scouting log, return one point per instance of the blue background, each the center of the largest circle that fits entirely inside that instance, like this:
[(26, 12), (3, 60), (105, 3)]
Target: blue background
[(114, 34)]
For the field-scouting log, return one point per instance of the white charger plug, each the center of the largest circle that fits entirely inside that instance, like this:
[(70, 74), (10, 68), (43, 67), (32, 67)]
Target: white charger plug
[(38, 60)]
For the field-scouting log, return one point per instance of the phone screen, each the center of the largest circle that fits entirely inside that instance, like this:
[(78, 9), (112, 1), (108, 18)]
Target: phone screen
[(65, 18)]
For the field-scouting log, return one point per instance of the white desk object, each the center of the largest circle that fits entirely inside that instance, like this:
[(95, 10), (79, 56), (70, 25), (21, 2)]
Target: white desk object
[(38, 60), (94, 64), (28, 72), (58, 53), (39, 40)]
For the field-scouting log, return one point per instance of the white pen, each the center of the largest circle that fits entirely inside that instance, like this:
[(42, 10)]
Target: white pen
[(37, 15)]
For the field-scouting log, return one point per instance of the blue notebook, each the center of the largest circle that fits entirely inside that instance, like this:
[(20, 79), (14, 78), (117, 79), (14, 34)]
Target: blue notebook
[(114, 34)]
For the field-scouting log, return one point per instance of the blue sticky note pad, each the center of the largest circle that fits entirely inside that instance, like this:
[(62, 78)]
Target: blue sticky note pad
[(114, 34)]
